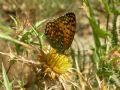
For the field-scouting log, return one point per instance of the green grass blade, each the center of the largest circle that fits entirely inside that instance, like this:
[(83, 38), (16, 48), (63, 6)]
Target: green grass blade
[(6, 37), (7, 83), (106, 5)]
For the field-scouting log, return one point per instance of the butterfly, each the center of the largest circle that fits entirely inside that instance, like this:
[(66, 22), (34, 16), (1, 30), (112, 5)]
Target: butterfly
[(60, 32)]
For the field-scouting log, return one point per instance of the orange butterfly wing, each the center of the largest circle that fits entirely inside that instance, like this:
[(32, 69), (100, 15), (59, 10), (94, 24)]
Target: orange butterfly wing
[(60, 32)]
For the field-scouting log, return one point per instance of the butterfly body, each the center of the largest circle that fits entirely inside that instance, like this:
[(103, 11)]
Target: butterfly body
[(60, 32)]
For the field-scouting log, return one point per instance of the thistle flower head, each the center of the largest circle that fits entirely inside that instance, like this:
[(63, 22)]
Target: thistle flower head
[(56, 64)]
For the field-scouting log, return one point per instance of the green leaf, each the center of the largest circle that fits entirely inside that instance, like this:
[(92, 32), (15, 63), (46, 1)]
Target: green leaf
[(115, 10), (6, 37), (95, 30), (95, 58), (102, 33), (7, 83), (106, 5)]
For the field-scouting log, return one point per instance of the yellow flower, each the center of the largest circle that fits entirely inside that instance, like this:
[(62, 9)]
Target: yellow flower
[(56, 64)]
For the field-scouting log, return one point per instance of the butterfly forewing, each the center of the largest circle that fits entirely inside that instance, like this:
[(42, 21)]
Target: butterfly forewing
[(60, 32)]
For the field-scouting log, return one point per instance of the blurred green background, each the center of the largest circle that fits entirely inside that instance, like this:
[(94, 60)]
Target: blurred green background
[(95, 49)]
